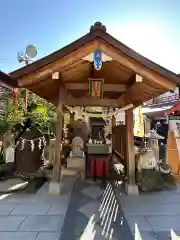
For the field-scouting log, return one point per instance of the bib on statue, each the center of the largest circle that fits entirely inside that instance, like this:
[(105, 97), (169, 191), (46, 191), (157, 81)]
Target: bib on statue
[(77, 147)]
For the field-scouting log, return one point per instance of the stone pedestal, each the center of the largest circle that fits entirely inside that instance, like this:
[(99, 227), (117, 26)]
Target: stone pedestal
[(77, 164), (55, 188), (131, 189)]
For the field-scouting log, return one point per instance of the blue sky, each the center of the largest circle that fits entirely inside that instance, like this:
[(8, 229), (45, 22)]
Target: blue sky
[(150, 27)]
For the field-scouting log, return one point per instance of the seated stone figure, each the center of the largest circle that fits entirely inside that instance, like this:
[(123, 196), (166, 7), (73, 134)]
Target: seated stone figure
[(151, 174), (146, 159)]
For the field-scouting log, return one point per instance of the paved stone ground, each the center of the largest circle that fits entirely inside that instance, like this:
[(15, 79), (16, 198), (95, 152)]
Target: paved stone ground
[(83, 211), (154, 213), (94, 214), (30, 217), (86, 211)]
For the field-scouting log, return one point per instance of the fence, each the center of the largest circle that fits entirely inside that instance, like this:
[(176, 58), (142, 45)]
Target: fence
[(118, 163), (119, 140)]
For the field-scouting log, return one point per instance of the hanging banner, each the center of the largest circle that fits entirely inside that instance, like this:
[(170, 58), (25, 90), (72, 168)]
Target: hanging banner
[(96, 88), (97, 60), (66, 118), (138, 123)]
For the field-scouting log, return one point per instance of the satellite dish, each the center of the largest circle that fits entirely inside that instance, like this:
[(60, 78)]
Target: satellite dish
[(31, 51)]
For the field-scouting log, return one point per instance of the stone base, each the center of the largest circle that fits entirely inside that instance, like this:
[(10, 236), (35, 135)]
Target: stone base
[(55, 188), (131, 189)]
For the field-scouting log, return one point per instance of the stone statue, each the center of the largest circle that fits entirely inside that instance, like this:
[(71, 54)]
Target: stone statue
[(151, 174), (8, 145), (146, 160)]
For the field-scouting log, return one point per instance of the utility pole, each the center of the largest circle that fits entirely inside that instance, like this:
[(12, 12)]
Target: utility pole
[(26, 90)]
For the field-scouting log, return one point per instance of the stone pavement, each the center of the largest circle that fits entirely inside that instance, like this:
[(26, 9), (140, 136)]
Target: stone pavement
[(84, 210), (153, 215), (94, 214), (30, 217)]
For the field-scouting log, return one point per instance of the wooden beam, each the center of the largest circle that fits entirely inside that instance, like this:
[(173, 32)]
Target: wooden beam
[(92, 102), (68, 99), (107, 87), (86, 101), (61, 64), (138, 68), (55, 76), (131, 92), (125, 108)]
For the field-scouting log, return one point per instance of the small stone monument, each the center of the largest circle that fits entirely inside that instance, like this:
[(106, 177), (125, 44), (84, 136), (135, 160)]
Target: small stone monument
[(8, 144), (77, 147)]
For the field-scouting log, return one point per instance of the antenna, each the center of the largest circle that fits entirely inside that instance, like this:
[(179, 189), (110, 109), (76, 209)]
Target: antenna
[(19, 57), (26, 56)]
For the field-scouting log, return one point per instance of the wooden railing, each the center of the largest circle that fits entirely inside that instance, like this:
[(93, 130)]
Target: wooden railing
[(119, 140), (118, 159)]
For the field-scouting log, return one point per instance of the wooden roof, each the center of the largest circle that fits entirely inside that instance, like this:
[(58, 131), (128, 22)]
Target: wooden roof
[(6, 82), (121, 75)]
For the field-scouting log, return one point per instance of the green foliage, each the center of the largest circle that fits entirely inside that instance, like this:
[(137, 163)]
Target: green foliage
[(42, 114), (12, 114)]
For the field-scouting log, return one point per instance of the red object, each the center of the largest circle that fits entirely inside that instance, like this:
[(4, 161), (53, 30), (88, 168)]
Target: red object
[(99, 166), (15, 93), (26, 98), (175, 108)]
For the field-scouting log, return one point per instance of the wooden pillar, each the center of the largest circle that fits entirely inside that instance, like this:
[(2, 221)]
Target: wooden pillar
[(130, 187), (54, 187), (113, 121), (59, 128), (63, 127)]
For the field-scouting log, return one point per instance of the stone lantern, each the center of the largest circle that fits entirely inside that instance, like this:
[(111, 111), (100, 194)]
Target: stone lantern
[(153, 138)]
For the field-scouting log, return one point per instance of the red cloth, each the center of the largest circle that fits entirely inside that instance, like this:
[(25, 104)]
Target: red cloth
[(99, 166)]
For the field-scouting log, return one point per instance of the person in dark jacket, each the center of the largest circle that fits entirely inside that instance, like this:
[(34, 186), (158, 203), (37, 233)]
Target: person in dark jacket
[(162, 130)]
